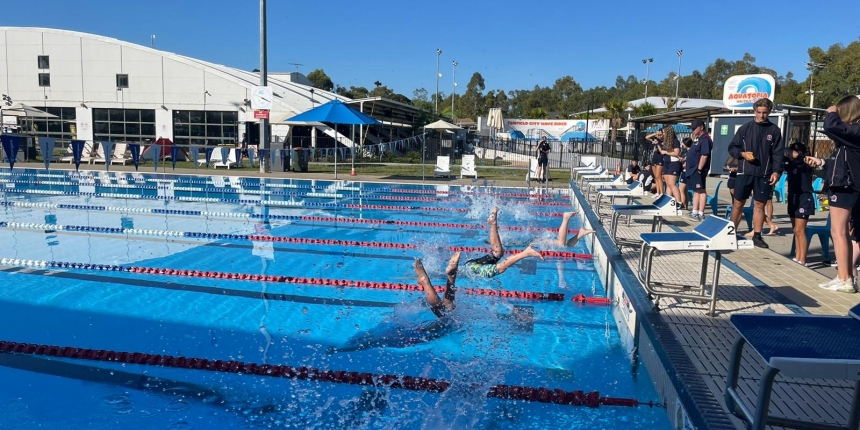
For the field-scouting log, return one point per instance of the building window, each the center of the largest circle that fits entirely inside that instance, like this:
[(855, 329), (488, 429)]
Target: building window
[(122, 81), (44, 79), (44, 62), (61, 128), (124, 125), (194, 127)]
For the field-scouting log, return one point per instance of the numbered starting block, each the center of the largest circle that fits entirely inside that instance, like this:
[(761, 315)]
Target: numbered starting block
[(616, 181), (663, 206), (635, 189), (712, 235)]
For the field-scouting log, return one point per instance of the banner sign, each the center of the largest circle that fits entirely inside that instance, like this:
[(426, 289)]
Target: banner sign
[(741, 91)]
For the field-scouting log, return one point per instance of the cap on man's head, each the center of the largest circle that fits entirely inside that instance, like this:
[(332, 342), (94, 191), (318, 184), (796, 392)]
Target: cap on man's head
[(696, 124), (798, 146)]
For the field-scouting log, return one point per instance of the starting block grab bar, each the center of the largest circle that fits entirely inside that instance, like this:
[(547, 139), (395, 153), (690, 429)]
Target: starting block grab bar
[(663, 206), (712, 235)]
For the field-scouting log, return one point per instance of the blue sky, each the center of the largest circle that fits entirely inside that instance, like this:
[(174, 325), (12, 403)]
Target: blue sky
[(514, 45)]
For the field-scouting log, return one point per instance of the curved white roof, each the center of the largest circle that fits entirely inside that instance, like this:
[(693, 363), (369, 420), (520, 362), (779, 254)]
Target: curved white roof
[(289, 96)]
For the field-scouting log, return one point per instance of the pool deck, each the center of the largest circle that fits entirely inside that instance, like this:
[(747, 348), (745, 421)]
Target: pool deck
[(751, 281)]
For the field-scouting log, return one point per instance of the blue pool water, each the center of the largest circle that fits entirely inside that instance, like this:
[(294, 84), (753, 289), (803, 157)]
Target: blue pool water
[(566, 346)]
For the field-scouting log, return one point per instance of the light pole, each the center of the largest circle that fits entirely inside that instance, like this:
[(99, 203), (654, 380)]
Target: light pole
[(678, 77), (647, 62), (454, 89), (812, 67), (438, 75), (264, 122)]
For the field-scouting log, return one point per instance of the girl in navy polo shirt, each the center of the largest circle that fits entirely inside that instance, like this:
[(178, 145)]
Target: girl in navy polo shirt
[(799, 196)]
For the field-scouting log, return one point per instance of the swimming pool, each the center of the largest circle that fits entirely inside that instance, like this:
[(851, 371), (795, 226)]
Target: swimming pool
[(145, 264)]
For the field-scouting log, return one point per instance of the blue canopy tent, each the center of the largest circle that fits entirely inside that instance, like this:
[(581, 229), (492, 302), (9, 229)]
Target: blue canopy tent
[(578, 135), (679, 128), (336, 112)]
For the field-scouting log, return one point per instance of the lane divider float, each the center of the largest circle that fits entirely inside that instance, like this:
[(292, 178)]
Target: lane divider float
[(413, 383), (258, 238), (269, 217), (338, 283)]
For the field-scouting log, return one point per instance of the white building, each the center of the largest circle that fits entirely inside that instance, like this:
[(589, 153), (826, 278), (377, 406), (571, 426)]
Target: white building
[(107, 89)]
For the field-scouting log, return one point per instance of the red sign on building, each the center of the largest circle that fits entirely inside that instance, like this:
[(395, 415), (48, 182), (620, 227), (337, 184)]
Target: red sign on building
[(261, 114)]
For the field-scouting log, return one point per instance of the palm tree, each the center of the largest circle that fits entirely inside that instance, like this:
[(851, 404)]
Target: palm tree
[(672, 102), (616, 109)]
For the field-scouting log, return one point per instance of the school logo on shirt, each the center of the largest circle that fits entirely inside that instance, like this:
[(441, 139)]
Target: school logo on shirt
[(769, 137)]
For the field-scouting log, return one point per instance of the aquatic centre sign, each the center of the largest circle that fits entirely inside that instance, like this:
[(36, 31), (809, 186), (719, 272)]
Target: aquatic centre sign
[(741, 91)]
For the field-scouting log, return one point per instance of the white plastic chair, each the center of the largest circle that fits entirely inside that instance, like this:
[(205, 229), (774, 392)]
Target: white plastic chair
[(443, 166), (468, 167)]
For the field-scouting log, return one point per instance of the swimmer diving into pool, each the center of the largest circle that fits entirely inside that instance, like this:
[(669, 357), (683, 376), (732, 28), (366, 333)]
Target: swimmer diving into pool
[(489, 266), (393, 334), (563, 230)]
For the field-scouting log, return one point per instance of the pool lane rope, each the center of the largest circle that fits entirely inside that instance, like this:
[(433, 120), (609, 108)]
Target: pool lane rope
[(257, 238), (251, 192), (326, 282), (132, 181), (209, 214), (413, 383)]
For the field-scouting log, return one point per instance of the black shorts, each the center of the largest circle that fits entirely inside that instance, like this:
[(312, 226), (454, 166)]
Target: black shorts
[(673, 168), (801, 205), (843, 197), (697, 181), (731, 183), (543, 160), (657, 159), (756, 186)]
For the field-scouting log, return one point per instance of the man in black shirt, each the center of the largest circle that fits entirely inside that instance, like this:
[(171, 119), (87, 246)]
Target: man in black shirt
[(543, 150), (759, 148), (633, 172)]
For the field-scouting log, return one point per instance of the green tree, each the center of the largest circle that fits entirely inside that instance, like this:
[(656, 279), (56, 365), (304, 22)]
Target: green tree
[(538, 113), (568, 94), (840, 75), (320, 80), (467, 105), (616, 109), (421, 100), (352, 92), (382, 91)]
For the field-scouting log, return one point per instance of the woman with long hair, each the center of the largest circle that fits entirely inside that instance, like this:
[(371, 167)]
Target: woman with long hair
[(656, 139), (671, 151), (843, 176)]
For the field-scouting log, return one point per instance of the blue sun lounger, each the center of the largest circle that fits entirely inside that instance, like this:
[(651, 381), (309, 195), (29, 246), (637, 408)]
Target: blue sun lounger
[(798, 346), (664, 205), (714, 234), (634, 189)]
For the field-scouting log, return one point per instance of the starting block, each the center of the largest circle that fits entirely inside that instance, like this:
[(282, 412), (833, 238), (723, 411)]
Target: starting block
[(635, 189), (797, 346), (714, 234), (617, 180), (663, 206)]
